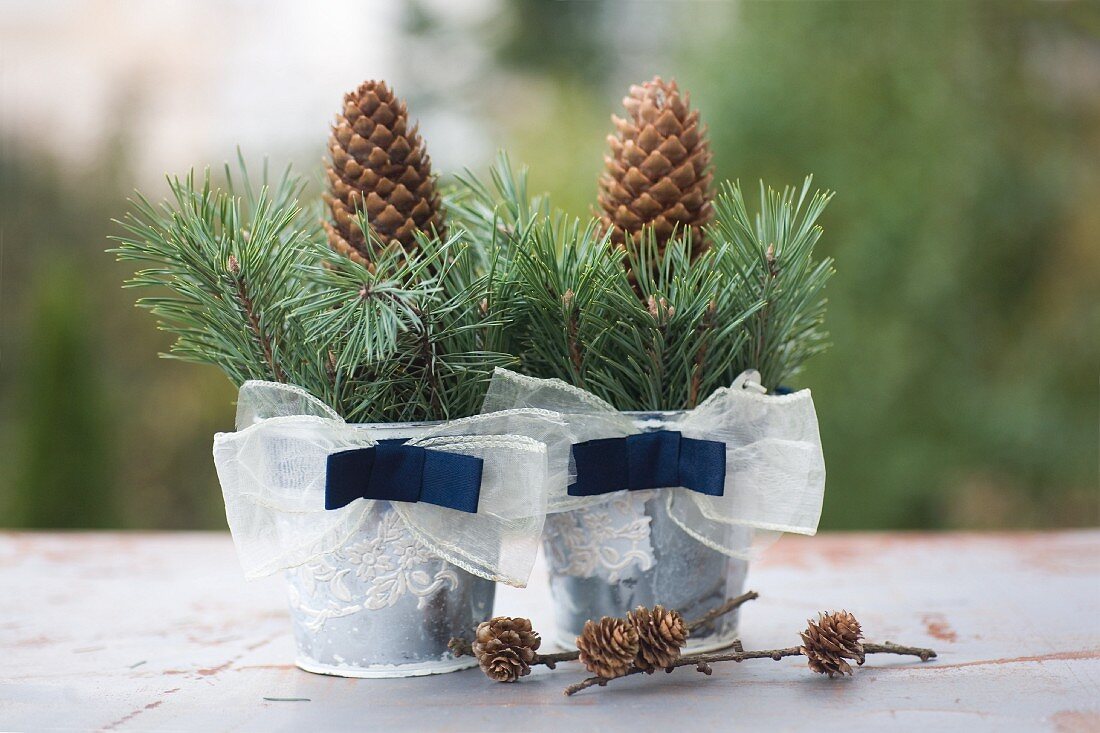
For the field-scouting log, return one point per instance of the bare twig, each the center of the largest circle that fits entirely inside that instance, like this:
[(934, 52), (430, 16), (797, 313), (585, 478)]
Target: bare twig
[(722, 610), (702, 662), (551, 660), (888, 647), (463, 648)]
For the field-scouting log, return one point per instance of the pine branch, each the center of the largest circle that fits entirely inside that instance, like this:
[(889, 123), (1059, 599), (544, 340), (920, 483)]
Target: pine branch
[(703, 336), (226, 261), (249, 308), (771, 257), (500, 212), (572, 336), (253, 289), (577, 315)]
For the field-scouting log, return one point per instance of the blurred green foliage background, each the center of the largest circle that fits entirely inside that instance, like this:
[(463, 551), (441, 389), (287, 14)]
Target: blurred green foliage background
[(963, 140)]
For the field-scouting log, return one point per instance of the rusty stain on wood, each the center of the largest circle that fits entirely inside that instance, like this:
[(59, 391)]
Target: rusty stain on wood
[(1076, 721), (1091, 654), (937, 627), (1012, 616), (130, 716), (214, 670)]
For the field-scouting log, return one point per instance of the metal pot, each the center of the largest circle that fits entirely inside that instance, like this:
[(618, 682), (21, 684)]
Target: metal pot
[(608, 559), (384, 605)]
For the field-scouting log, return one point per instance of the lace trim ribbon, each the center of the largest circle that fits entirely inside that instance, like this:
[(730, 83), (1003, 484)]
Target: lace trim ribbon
[(273, 473), (774, 474)]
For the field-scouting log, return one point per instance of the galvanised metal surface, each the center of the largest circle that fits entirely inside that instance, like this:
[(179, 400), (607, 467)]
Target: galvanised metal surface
[(676, 571), (684, 575), (383, 606), (130, 631)]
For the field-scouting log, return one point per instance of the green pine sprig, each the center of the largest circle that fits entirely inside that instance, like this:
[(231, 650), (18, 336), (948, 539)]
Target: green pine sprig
[(225, 263), (682, 328), (439, 362), (499, 213), (247, 283), (772, 254)]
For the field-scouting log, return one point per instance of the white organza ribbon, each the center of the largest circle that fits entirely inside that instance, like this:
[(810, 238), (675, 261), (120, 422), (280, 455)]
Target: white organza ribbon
[(272, 473), (775, 470)]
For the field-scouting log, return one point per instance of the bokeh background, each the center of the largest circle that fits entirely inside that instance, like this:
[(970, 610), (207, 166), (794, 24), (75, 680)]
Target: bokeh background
[(963, 140)]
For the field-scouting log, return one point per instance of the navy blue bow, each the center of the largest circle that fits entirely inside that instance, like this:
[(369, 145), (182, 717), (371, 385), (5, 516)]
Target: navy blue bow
[(393, 471), (654, 460)]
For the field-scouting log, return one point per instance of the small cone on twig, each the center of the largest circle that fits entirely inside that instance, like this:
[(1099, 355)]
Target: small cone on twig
[(378, 165), (608, 646), (505, 648), (832, 639), (662, 633), (657, 174)]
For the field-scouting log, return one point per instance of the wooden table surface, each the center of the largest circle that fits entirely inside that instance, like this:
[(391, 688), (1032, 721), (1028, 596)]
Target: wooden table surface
[(160, 632)]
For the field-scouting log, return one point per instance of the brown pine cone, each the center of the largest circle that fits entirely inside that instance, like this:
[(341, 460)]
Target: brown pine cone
[(658, 171), (608, 647), (661, 635), (830, 640), (505, 648), (378, 163)]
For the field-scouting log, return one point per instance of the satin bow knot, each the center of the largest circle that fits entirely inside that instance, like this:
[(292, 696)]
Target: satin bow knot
[(394, 471), (751, 461), (654, 460)]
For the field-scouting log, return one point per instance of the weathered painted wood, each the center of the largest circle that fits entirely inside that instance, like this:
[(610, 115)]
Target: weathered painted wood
[(160, 632)]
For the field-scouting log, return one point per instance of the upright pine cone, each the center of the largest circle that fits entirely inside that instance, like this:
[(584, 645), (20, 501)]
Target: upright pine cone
[(658, 172), (661, 635), (505, 648), (380, 164), (608, 647), (830, 640)]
